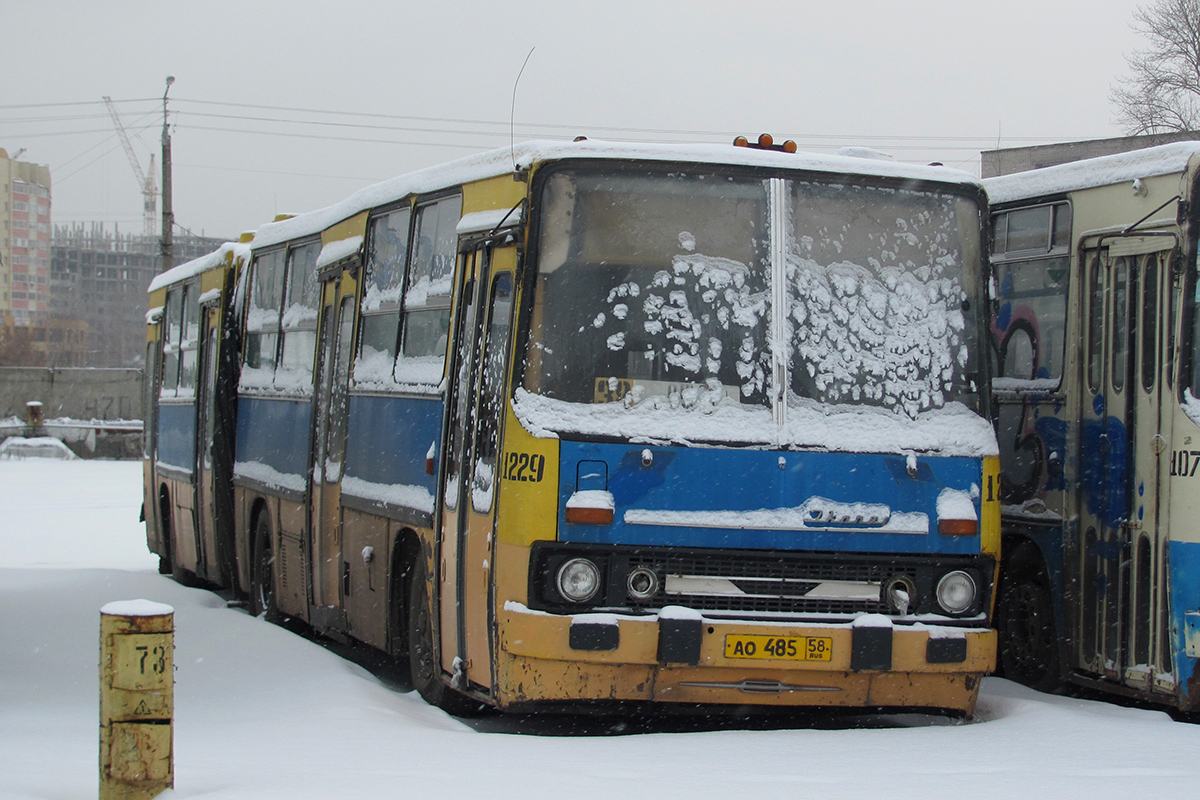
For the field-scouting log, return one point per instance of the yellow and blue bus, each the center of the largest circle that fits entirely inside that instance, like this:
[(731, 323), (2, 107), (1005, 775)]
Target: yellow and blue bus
[(1095, 342), (192, 361), (623, 423)]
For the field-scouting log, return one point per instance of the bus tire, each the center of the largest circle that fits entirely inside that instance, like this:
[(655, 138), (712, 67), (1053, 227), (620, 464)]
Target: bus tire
[(1029, 651), (423, 668), (262, 573)]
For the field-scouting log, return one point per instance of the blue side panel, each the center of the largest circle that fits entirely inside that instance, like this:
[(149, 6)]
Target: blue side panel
[(177, 435), (274, 432), (389, 437), (1184, 560), (710, 480), (1105, 464)]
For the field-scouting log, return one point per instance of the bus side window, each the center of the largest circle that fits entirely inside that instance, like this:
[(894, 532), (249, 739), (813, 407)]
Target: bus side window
[(1031, 259), (430, 279), (386, 263), (491, 393), (172, 318), (262, 320), (1095, 338), (189, 341), (1150, 324), (299, 324)]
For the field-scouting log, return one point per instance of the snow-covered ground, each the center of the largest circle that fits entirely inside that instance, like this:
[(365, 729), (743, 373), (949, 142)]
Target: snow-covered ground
[(262, 712)]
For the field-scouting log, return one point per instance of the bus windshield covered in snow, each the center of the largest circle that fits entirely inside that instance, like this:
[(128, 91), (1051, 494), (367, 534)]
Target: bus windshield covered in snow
[(629, 423), (758, 303)]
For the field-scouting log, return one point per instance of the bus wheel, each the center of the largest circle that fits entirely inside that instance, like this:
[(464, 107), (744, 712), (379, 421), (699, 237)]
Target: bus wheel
[(1028, 639), (262, 579), (422, 663)]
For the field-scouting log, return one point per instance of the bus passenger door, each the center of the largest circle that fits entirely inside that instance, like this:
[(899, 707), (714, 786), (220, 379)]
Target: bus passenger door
[(334, 349), (468, 523), (1103, 479), (1147, 640), (207, 562), (1122, 625)]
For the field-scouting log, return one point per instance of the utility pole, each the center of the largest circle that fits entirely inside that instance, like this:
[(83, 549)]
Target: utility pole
[(168, 214)]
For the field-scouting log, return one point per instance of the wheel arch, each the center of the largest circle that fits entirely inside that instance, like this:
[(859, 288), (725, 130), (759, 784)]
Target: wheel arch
[(1026, 568), (405, 551), (165, 525)]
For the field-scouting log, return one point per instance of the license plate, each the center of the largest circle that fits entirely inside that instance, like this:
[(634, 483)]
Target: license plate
[(792, 648)]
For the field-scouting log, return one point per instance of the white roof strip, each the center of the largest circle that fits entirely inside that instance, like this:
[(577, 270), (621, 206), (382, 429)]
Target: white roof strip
[(480, 221), (199, 265), (1090, 173), (336, 251), (502, 162)]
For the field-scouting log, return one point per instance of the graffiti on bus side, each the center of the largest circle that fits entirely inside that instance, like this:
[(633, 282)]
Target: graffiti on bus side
[(1031, 436), (1104, 469), (1033, 442)]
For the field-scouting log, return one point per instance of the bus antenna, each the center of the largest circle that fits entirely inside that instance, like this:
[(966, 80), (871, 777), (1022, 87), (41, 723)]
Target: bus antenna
[(512, 117)]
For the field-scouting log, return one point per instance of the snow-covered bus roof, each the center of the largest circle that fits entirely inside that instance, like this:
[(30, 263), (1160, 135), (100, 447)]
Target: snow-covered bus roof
[(501, 162), (1090, 173), (196, 266)]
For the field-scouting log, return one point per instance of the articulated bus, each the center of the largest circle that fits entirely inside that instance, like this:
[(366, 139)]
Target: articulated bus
[(603, 422), (1096, 385)]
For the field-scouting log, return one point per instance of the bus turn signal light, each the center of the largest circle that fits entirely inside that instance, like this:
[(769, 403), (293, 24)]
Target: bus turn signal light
[(958, 527), (590, 507), (581, 515)]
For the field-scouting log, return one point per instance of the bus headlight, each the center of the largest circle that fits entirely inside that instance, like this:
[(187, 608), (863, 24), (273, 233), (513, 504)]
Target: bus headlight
[(578, 580), (956, 592), (642, 584)]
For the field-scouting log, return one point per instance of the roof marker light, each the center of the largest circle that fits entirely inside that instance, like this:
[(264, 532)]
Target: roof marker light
[(765, 142)]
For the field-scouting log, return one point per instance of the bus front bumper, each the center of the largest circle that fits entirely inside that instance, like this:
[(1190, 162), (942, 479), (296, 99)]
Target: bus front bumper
[(686, 658)]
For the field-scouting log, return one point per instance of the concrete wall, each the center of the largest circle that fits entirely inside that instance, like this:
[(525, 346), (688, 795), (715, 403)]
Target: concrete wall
[(1019, 159), (105, 394)]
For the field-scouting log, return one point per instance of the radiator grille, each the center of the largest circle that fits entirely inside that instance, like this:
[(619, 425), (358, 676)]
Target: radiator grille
[(746, 583), (772, 584)]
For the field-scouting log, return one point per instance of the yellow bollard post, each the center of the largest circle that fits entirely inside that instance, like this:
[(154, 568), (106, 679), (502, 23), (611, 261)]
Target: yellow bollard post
[(137, 699)]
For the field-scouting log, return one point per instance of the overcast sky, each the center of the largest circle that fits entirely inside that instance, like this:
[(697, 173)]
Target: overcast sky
[(291, 106)]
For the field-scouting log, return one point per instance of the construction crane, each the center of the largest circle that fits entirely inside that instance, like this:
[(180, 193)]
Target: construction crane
[(146, 183)]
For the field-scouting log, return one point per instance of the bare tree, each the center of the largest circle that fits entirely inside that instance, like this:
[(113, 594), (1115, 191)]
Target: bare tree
[(1161, 94)]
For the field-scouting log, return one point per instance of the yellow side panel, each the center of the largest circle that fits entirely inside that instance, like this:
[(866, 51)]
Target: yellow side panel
[(989, 525), (493, 193), (355, 226), (215, 278), (528, 473)]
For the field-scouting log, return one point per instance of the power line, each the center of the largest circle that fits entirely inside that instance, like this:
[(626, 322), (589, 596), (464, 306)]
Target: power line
[(573, 127), (338, 138), (241, 170), (495, 124), (79, 103)]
